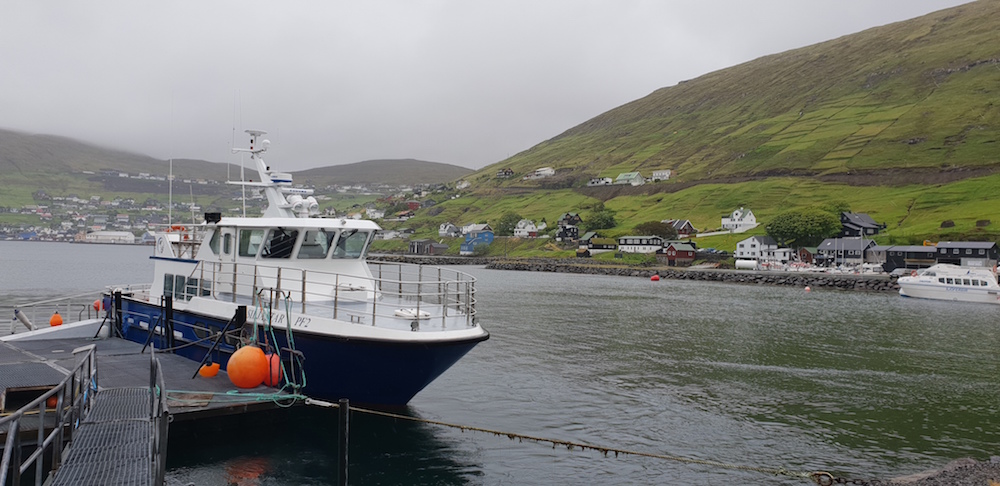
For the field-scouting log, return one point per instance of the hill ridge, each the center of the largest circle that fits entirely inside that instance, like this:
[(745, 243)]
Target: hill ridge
[(889, 97)]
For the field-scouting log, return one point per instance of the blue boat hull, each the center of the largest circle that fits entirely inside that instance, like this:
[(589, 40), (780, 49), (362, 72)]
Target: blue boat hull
[(363, 371)]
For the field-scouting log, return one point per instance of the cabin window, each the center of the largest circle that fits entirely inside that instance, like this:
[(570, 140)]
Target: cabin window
[(250, 241), (965, 281), (954, 251), (949, 281), (279, 243), (982, 252), (192, 288), (968, 251), (941, 280), (316, 243), (227, 243), (168, 285), (351, 244), (179, 281), (214, 242)]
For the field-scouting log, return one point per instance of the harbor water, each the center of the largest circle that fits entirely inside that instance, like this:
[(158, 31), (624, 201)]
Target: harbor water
[(862, 385)]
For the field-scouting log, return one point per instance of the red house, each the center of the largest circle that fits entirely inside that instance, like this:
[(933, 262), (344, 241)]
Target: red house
[(679, 254)]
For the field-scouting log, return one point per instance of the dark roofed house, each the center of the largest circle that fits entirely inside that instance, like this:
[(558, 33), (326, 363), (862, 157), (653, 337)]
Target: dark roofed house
[(683, 226), (907, 256), (858, 224), (427, 247), (968, 253), (849, 251), (569, 219)]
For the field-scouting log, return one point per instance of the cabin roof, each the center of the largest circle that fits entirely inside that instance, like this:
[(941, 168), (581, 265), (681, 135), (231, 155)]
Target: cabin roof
[(329, 223)]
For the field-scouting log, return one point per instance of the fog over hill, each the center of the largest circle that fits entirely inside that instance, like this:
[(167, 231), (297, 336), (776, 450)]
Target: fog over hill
[(38, 157)]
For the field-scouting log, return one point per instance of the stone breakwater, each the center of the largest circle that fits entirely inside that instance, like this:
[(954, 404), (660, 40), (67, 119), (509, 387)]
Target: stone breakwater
[(869, 283)]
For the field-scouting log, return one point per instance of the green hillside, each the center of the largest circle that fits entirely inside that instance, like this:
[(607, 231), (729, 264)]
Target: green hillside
[(900, 122), (892, 103)]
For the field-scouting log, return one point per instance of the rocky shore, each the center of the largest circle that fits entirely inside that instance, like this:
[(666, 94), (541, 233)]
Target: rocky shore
[(868, 283)]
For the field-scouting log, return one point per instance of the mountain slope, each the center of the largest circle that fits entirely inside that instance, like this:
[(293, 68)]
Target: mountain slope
[(921, 95)]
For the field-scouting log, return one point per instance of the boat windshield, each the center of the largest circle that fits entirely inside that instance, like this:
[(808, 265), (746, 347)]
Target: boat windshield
[(279, 243), (351, 244), (316, 243)]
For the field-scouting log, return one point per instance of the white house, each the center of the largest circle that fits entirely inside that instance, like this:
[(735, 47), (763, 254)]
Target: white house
[(449, 230), (375, 213), (600, 181), (661, 175), (740, 221), (762, 248), (540, 173), (633, 178), (475, 228), (640, 244), (526, 229)]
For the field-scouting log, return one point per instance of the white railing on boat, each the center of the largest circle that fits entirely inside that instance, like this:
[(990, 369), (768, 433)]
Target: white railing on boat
[(395, 291)]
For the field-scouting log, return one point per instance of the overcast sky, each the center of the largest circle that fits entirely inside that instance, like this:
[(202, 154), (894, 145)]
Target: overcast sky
[(462, 82)]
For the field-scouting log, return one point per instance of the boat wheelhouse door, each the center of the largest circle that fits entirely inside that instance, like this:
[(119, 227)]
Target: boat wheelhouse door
[(225, 278)]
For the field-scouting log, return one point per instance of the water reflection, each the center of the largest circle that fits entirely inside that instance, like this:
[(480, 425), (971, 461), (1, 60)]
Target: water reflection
[(299, 446)]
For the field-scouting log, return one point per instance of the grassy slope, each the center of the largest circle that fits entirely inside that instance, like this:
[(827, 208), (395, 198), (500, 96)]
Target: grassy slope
[(899, 121), (849, 104)]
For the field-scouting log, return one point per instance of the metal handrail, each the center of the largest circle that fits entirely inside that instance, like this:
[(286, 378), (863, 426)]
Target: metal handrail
[(439, 292), (77, 389), (160, 416)]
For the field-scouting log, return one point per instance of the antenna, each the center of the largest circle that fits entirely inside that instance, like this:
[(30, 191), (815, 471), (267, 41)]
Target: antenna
[(191, 189), (170, 190)]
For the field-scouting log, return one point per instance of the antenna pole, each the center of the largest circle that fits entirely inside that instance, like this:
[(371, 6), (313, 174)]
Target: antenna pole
[(170, 189)]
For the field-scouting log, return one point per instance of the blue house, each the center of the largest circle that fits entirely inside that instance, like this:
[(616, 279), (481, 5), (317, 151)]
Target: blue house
[(478, 234)]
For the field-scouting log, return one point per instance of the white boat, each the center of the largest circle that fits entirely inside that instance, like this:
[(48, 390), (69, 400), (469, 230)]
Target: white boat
[(302, 288), (952, 282)]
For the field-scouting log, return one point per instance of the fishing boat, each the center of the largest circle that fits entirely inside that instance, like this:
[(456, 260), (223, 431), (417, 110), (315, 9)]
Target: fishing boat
[(952, 282), (301, 289)]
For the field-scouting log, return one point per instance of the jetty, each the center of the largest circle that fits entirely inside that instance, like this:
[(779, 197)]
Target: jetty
[(94, 411)]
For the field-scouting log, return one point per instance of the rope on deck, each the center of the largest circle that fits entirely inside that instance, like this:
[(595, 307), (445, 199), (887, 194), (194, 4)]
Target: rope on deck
[(818, 477)]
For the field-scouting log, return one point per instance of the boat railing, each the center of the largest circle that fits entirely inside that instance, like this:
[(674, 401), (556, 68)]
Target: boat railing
[(54, 424), (39, 313), (395, 290)]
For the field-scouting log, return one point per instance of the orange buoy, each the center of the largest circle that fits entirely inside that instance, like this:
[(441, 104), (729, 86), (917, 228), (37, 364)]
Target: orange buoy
[(247, 367), (655, 278), (273, 377), (98, 305), (209, 370), (55, 320), (52, 401), (808, 289)]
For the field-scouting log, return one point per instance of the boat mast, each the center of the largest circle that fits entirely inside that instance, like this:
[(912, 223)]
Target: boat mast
[(276, 184)]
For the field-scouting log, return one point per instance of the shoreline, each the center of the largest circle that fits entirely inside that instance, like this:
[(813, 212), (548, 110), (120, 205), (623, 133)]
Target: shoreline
[(857, 282)]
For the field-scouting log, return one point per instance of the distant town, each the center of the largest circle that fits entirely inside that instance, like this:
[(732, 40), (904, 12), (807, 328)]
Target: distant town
[(94, 218)]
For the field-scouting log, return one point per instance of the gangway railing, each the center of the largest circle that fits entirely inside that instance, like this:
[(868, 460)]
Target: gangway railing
[(74, 398)]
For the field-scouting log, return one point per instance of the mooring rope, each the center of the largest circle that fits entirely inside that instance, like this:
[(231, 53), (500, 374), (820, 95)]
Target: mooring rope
[(571, 445)]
